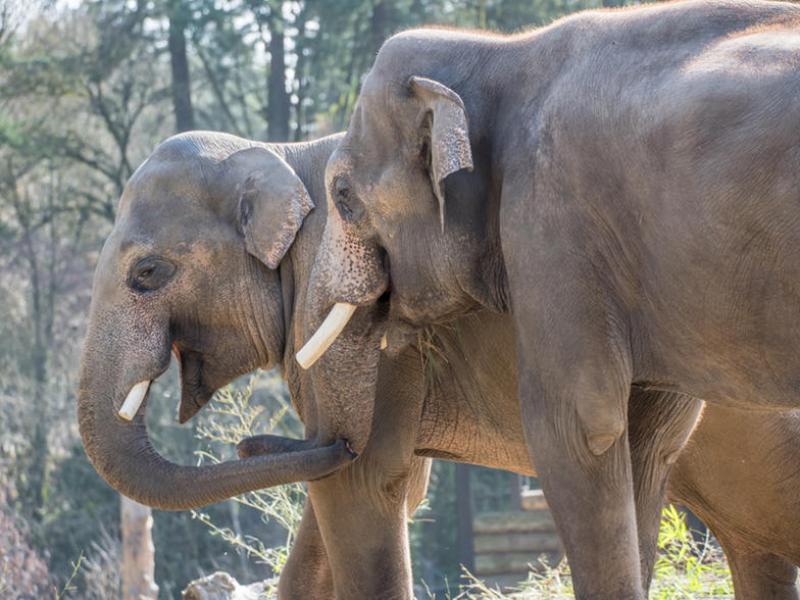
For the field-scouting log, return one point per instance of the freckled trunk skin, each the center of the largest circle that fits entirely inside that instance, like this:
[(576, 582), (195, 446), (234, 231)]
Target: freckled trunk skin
[(347, 268), (344, 378)]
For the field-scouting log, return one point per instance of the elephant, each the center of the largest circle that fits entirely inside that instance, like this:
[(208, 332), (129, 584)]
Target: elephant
[(622, 184), (207, 259), (457, 383)]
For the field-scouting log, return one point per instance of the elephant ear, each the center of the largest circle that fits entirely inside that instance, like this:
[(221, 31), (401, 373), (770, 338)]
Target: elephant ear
[(272, 203), (449, 133)]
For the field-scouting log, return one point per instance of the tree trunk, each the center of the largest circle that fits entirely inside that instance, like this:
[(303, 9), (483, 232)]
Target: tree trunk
[(278, 101), (466, 551), (181, 89), (481, 20), (138, 561), (300, 76), (378, 26)]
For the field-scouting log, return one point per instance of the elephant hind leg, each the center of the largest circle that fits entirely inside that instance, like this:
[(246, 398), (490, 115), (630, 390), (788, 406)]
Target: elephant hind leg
[(760, 575)]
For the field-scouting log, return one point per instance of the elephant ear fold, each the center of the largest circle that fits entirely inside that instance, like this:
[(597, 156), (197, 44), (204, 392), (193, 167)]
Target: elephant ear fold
[(272, 203), (449, 133)]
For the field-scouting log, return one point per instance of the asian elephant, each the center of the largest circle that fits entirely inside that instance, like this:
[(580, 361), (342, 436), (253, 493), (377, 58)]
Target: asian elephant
[(207, 259), (624, 185), (450, 394)]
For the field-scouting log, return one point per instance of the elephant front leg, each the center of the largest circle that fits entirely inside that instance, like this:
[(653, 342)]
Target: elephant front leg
[(575, 373), (362, 510), (365, 533), (659, 424), (575, 426), (307, 573), (588, 486)]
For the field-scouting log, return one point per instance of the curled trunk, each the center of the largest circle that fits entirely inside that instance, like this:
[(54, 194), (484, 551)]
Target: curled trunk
[(123, 455)]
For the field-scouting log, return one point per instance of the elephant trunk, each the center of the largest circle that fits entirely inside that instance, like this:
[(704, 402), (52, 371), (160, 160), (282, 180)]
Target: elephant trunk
[(123, 455), (345, 351), (348, 272), (120, 449)]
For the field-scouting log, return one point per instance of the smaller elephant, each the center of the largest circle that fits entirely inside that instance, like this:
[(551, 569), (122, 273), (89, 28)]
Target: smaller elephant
[(207, 259), (160, 288)]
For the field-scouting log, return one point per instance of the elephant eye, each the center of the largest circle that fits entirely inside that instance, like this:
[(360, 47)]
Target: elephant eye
[(347, 203), (150, 273)]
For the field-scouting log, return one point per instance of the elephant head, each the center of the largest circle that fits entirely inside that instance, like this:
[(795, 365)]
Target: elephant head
[(192, 267), (408, 199)]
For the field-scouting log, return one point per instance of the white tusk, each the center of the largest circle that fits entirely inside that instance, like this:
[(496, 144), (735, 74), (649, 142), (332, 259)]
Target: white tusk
[(134, 400), (326, 334), (384, 342)]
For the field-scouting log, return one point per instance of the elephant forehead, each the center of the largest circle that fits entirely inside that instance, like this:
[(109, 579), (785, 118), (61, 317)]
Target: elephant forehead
[(159, 186)]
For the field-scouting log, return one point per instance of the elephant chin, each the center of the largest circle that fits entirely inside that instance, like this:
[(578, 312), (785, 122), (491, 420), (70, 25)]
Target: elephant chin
[(195, 394)]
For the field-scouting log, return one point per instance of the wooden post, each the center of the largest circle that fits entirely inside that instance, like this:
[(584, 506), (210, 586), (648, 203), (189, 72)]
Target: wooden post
[(515, 492), (137, 571), (466, 550)]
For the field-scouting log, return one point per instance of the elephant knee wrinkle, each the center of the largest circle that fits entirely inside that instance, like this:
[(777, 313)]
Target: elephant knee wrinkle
[(600, 443), (602, 435)]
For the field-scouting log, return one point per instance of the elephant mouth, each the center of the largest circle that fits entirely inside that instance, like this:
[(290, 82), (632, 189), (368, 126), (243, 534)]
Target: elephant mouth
[(195, 393)]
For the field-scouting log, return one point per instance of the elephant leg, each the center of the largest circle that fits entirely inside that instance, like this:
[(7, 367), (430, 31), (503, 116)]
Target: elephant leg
[(759, 575), (591, 497), (367, 541), (362, 511), (659, 424), (307, 573), (575, 375), (575, 427), (418, 483)]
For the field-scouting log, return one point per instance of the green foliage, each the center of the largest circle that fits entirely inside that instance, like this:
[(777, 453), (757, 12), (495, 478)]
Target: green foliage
[(433, 530), (78, 503), (684, 568), (231, 418)]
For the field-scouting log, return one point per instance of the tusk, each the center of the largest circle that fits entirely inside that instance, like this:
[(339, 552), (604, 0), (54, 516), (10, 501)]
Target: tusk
[(326, 334), (134, 400), (384, 342)]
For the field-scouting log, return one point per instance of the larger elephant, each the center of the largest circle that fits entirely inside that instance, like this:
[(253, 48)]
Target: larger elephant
[(624, 184), (452, 394)]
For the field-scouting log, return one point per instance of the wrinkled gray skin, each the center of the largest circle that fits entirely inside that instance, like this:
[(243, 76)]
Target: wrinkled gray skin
[(625, 185), (738, 474)]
